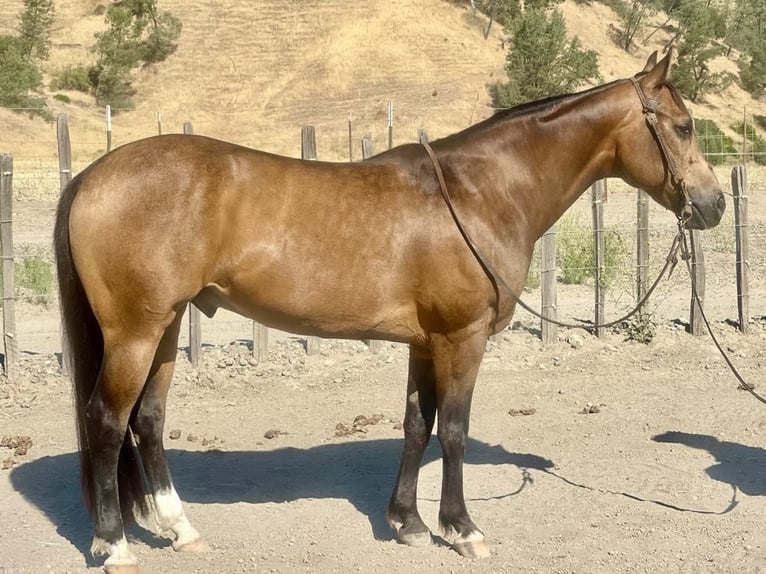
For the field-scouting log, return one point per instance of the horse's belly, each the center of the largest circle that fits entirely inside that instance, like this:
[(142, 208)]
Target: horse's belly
[(318, 309)]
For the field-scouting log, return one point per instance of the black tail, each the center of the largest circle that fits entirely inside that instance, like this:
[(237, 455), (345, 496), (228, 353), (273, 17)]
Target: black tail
[(84, 355)]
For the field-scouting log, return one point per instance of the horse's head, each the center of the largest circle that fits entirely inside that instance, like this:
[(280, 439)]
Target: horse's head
[(657, 150)]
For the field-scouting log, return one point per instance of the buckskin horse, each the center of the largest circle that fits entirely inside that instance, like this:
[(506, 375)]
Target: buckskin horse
[(374, 249)]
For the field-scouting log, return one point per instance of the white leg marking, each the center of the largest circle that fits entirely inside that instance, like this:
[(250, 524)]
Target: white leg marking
[(474, 536), (171, 517), (119, 554), (472, 545)]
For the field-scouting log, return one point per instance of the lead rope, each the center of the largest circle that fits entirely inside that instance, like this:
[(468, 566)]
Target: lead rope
[(497, 281), (744, 385)]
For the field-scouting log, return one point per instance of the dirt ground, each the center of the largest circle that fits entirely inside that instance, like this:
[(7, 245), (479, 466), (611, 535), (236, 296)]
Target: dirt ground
[(631, 458)]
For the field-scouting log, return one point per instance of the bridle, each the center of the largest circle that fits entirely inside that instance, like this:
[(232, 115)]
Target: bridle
[(649, 107)]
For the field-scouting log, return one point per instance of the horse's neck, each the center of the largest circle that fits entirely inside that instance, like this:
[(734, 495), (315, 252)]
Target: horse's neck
[(542, 162)]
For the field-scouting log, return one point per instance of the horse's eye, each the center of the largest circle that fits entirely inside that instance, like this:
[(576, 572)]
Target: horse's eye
[(685, 129)]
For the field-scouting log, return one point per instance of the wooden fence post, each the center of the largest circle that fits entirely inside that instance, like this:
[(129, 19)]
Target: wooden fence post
[(6, 252), (350, 140), (108, 128), (642, 243), (367, 149), (742, 238), (548, 282), (64, 150), (195, 317), (64, 147), (309, 151), (597, 196), (696, 323), (390, 124)]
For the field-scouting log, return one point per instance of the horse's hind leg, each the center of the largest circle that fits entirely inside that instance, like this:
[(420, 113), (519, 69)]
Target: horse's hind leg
[(166, 515), (419, 417), (127, 359)]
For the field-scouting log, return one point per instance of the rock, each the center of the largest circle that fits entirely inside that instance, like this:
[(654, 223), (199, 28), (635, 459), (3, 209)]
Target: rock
[(574, 341), (591, 409), (19, 444), (522, 412)]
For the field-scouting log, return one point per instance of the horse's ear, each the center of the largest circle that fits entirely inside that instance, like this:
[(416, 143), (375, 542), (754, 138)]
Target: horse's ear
[(650, 63), (659, 72)]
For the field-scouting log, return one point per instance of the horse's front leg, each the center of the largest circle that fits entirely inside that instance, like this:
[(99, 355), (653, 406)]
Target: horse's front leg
[(420, 412), (456, 366)]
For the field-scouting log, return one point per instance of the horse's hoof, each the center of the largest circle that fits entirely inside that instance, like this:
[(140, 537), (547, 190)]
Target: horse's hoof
[(196, 546), (471, 548), (418, 539), (121, 569)]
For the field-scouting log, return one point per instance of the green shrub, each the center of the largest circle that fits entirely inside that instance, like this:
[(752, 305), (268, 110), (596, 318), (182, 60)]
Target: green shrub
[(575, 252), (34, 276), (757, 148), (640, 328), (71, 78)]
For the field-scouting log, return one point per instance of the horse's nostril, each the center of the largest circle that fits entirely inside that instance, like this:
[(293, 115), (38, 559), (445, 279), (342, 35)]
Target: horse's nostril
[(721, 203)]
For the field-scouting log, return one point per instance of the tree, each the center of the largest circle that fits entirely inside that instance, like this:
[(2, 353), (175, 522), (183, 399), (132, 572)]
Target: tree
[(18, 75), (136, 32), (541, 61), (631, 16), (747, 32), (35, 25), (700, 26)]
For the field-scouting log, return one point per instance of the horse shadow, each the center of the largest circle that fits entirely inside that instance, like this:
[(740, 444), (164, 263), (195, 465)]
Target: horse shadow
[(741, 466), (360, 471)]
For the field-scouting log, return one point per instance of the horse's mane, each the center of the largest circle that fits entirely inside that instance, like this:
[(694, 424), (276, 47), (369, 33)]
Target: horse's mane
[(547, 103), (534, 107), (550, 104)]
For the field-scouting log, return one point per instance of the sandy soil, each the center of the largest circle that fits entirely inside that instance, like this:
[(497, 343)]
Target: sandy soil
[(667, 476)]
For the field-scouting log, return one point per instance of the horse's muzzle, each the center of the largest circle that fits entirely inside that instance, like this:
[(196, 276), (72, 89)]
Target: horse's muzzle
[(706, 210)]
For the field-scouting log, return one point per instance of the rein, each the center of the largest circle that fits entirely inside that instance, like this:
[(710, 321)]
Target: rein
[(497, 281)]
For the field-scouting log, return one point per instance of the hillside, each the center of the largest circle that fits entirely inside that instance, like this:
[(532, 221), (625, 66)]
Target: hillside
[(255, 72)]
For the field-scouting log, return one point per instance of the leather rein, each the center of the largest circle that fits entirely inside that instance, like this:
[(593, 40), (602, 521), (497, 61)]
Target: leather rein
[(649, 108)]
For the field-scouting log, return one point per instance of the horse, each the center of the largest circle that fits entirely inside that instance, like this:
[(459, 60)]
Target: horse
[(370, 249)]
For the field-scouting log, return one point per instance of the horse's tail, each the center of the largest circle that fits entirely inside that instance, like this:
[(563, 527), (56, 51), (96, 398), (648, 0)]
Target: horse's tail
[(84, 355), (84, 351)]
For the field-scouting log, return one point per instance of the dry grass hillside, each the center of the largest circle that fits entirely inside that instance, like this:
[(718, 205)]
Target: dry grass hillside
[(255, 71)]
